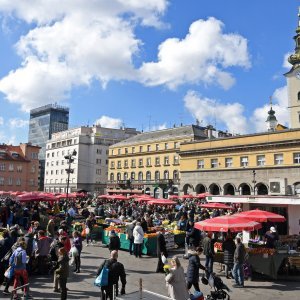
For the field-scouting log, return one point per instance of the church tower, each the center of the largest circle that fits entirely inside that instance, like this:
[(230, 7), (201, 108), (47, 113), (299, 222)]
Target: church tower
[(271, 120), (293, 81)]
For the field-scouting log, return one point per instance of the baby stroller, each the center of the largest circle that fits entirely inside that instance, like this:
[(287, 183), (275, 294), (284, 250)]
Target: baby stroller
[(220, 289)]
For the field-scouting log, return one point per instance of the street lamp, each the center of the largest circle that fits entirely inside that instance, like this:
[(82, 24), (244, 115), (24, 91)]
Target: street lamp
[(69, 170), (254, 181)]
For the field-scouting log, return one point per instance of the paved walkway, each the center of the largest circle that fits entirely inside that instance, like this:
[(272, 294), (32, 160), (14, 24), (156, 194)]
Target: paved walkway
[(81, 285)]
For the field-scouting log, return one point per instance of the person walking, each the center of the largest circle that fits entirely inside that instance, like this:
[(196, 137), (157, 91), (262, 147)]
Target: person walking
[(175, 281), (192, 274), (209, 252), (114, 241), (129, 232), (42, 252), (161, 250), (116, 272), (228, 248), (62, 272), (239, 258), (77, 242), (138, 235)]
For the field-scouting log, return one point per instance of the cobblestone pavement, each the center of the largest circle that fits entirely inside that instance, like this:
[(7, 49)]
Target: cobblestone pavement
[(81, 285)]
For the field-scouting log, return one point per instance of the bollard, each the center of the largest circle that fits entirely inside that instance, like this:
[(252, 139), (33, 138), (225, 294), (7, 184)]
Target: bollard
[(141, 288)]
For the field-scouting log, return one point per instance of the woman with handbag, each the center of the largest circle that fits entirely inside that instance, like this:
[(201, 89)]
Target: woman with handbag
[(175, 281), (161, 251)]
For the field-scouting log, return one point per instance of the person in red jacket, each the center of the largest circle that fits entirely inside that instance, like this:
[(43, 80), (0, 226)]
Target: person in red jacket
[(67, 244)]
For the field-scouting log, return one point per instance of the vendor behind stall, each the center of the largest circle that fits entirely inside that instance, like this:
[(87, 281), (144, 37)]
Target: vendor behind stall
[(271, 237)]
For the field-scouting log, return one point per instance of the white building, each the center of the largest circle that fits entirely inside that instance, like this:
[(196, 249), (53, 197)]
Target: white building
[(90, 165)]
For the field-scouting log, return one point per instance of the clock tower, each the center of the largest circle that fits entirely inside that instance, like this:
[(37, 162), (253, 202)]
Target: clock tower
[(293, 81)]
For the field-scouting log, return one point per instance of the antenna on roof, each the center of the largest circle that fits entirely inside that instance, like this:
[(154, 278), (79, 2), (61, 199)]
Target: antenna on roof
[(149, 122)]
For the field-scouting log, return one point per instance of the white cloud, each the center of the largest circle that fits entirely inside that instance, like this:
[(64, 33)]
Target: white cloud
[(8, 139), (109, 122), (210, 111), (158, 127), (201, 56), (1, 121), (280, 106), (18, 123), (72, 43), (285, 62)]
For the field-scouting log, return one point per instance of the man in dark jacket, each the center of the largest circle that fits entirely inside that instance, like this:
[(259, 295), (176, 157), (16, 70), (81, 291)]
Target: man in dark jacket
[(161, 250), (62, 272), (114, 241), (209, 252), (116, 272), (192, 234), (5, 246), (192, 274), (228, 248), (239, 258)]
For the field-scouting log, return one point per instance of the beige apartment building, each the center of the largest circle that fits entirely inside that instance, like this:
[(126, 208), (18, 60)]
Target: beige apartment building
[(19, 167)]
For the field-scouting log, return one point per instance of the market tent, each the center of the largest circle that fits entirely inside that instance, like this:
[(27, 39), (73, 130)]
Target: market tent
[(4, 193), (174, 197), (261, 216), (203, 195), (103, 196), (187, 196), (216, 206), (64, 196), (17, 193), (161, 202), (117, 197), (227, 223), (144, 199), (35, 196)]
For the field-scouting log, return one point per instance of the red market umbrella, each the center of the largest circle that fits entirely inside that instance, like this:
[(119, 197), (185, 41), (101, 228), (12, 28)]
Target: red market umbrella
[(203, 195), (64, 196), (261, 216), (174, 197), (187, 196), (216, 206), (144, 199), (103, 196), (161, 202), (117, 197), (4, 193), (31, 196), (227, 223)]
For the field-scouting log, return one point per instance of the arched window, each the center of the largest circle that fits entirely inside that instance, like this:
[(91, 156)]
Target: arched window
[(298, 96), (140, 176), (119, 176), (125, 176), (175, 175), (166, 174), (148, 176), (157, 175), (132, 176)]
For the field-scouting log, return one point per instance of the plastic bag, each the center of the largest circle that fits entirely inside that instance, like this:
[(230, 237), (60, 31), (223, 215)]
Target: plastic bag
[(164, 259), (9, 273), (74, 251)]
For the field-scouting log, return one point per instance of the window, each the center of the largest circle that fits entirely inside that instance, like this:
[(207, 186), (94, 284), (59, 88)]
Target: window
[(118, 176), (125, 176), (33, 169), (126, 150), (200, 164), (11, 167), (62, 171), (157, 175), (278, 159), (166, 175), (63, 152), (119, 151), (148, 148), (56, 180), (175, 175), (214, 163), (296, 158), (132, 176), (19, 169), (126, 163), (31, 182), (260, 160), (119, 164), (228, 162), (140, 162), (56, 172), (141, 148), (133, 149), (99, 151), (148, 162), (112, 176), (140, 176), (62, 162), (1, 180), (98, 171), (112, 165), (57, 162), (18, 181), (133, 165), (48, 154), (98, 161), (69, 142), (176, 160), (298, 96), (244, 161), (148, 176), (176, 145), (157, 147), (52, 163), (52, 154), (157, 161), (57, 153), (9, 181), (2, 167), (166, 160), (166, 146), (51, 172)]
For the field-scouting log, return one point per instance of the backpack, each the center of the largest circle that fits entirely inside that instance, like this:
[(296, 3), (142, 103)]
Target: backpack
[(102, 279), (18, 259)]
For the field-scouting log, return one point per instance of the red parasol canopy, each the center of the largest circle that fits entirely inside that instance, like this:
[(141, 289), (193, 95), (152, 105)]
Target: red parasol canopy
[(227, 223), (174, 197), (117, 197), (4, 193), (187, 196), (216, 206), (34, 196), (261, 216), (63, 196), (161, 202), (103, 196), (203, 195), (144, 199)]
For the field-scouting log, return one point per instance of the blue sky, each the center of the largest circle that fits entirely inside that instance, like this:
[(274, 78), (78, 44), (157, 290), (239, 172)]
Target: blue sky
[(146, 64)]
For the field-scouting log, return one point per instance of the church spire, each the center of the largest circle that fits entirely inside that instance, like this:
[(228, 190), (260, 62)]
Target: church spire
[(294, 59), (271, 120)]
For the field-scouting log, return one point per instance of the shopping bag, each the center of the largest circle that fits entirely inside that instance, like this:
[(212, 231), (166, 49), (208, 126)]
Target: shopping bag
[(87, 231), (9, 273), (164, 259), (74, 251), (102, 279)]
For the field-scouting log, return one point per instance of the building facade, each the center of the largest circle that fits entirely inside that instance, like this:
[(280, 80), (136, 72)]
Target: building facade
[(19, 167), (149, 162), (44, 121), (90, 166)]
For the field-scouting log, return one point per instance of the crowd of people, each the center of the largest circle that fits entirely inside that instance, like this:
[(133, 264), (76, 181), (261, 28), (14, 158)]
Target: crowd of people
[(41, 234)]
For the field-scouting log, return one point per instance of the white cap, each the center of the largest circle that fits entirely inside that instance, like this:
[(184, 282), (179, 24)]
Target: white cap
[(273, 229)]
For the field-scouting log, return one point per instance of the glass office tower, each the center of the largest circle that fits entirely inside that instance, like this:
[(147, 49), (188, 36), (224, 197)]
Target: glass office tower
[(43, 122)]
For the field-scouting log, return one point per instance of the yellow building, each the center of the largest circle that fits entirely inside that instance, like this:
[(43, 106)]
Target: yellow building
[(149, 162)]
